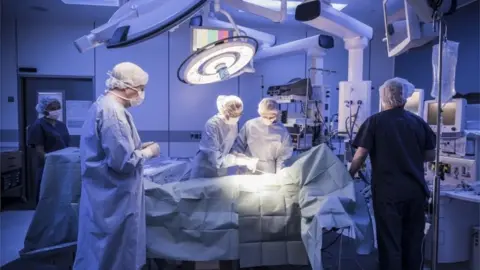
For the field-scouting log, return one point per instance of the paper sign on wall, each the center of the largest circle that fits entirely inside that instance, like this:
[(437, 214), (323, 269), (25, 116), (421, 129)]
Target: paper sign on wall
[(77, 111), (54, 94)]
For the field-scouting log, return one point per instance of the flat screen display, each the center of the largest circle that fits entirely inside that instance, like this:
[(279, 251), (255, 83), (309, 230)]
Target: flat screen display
[(203, 36), (413, 104), (448, 115)]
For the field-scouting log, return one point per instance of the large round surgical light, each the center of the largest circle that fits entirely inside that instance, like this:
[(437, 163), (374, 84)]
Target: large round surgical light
[(218, 61)]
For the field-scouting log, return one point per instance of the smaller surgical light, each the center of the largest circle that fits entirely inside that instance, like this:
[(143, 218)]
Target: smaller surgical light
[(218, 61)]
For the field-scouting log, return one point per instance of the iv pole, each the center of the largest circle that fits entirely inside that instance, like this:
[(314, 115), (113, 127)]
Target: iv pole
[(436, 181)]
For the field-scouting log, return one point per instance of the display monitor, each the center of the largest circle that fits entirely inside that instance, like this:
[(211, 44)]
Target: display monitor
[(202, 36), (453, 115), (414, 102)]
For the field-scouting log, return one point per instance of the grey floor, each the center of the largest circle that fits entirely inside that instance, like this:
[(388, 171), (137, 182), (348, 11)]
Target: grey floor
[(14, 225)]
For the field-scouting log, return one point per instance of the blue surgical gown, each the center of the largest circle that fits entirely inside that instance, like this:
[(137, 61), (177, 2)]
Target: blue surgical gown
[(271, 144), (112, 228), (213, 157), (52, 137)]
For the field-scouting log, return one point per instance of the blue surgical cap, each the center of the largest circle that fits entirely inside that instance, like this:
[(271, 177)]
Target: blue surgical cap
[(44, 102)]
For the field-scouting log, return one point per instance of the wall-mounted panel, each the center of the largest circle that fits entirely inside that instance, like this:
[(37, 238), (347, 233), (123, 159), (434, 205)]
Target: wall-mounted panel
[(49, 47), (8, 82)]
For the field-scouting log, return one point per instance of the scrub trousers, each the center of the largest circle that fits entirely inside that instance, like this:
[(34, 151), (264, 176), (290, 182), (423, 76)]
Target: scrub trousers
[(400, 233)]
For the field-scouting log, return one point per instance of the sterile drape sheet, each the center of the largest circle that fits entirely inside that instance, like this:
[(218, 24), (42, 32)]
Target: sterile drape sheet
[(259, 219)]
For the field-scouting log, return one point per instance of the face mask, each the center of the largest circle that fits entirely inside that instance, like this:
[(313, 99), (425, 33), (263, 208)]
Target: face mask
[(54, 114), (139, 100), (232, 120), (136, 101)]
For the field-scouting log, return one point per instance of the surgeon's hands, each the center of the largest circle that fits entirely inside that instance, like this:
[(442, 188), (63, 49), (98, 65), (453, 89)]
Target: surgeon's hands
[(145, 144), (250, 163), (150, 150)]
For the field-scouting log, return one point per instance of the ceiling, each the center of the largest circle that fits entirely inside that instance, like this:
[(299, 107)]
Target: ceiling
[(367, 11)]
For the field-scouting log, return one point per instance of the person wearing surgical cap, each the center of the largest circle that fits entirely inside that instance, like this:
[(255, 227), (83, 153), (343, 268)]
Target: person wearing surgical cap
[(398, 142), (112, 228), (213, 157), (47, 134), (265, 138)]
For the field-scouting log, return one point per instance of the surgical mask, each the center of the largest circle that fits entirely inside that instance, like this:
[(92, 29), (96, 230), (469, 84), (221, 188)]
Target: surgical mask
[(232, 120), (54, 114), (139, 100), (268, 122), (134, 101)]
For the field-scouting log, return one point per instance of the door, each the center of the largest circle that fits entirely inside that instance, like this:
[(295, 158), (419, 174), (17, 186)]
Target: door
[(66, 89)]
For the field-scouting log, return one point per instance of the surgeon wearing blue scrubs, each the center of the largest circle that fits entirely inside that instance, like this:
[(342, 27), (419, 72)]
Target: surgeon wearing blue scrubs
[(47, 134), (214, 157), (265, 138), (398, 142), (112, 228)]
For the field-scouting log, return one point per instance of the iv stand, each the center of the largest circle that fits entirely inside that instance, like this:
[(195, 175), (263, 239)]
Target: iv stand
[(436, 181)]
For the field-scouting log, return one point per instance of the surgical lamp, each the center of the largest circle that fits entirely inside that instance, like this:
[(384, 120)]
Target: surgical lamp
[(217, 61), (220, 60), (139, 20)]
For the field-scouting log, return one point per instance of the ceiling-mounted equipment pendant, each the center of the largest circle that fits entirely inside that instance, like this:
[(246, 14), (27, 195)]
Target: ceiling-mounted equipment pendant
[(218, 61), (139, 20)]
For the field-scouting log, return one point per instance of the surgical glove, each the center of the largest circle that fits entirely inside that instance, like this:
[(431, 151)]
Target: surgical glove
[(252, 164), (146, 144), (241, 160), (151, 151)]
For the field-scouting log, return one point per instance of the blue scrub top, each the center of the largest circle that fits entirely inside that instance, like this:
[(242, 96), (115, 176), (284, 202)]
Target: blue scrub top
[(396, 140), (52, 137)]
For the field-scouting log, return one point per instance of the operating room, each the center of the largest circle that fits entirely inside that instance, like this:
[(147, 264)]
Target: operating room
[(322, 62)]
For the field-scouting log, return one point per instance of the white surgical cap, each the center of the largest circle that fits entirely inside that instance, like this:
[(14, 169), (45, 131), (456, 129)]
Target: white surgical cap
[(267, 106), (126, 75), (231, 106), (394, 92), (44, 102)]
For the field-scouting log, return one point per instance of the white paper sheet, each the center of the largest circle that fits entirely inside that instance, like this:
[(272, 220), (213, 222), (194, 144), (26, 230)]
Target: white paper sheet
[(76, 113)]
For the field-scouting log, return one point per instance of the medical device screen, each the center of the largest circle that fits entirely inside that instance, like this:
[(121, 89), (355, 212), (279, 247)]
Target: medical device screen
[(413, 104), (202, 36), (448, 114)]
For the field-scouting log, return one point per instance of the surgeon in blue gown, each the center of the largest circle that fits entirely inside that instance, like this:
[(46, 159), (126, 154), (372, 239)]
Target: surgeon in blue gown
[(221, 130), (265, 138), (47, 134), (112, 227)]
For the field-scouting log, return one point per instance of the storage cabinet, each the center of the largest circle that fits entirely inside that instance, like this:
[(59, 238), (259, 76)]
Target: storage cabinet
[(12, 178)]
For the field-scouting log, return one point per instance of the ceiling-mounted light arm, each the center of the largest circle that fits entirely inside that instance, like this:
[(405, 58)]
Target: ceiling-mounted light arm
[(101, 34), (238, 33), (275, 16), (218, 9)]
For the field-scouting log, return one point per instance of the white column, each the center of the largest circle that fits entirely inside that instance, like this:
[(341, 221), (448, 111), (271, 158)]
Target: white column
[(355, 47), (316, 77), (316, 56)]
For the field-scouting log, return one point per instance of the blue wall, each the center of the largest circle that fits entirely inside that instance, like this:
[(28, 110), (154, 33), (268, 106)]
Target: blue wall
[(463, 27)]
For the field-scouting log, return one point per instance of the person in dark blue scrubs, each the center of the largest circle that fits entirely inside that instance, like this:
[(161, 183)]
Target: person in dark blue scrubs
[(47, 134), (398, 142)]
